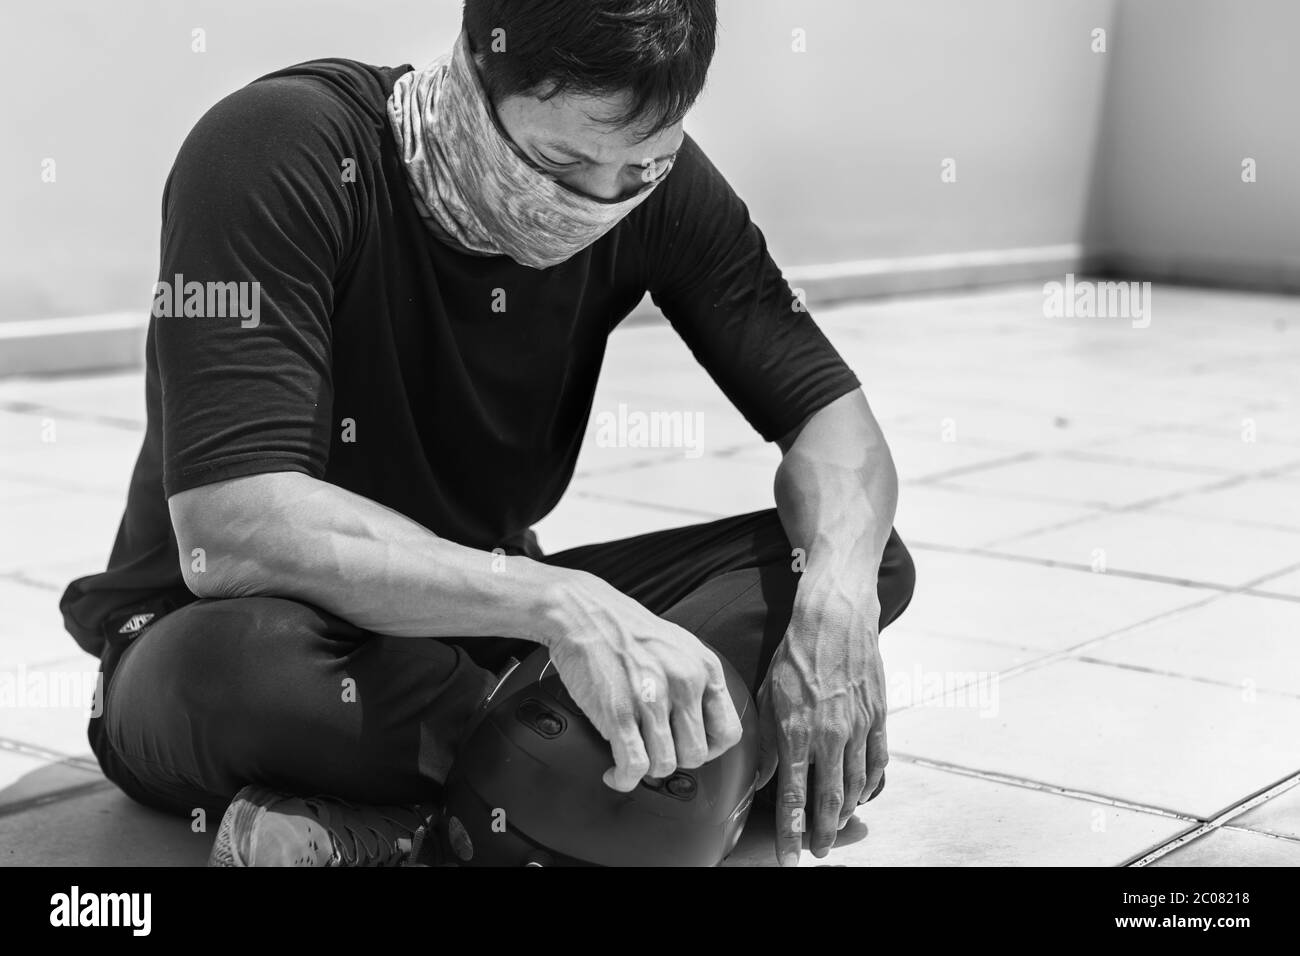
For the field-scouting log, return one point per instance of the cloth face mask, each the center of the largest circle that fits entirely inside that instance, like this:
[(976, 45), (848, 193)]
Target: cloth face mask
[(472, 189)]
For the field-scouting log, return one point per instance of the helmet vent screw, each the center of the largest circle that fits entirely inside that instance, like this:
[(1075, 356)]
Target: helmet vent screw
[(681, 786)]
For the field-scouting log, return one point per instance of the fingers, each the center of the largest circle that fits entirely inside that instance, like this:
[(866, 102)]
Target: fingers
[(877, 758), (695, 722), (855, 774), (769, 753), (792, 788), (722, 727), (702, 722), (631, 763), (829, 772), (656, 731), (875, 793), (689, 735)]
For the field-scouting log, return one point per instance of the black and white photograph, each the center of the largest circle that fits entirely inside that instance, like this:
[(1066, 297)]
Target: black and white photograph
[(854, 434)]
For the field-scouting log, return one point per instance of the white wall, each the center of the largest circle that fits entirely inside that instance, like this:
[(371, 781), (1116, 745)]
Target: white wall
[(839, 149), (110, 89), (836, 150), (1197, 86)]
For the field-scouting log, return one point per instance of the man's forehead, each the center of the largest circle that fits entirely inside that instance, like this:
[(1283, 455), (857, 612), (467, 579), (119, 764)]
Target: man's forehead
[(582, 125)]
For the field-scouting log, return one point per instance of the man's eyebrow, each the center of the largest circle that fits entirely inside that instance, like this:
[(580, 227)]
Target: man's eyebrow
[(577, 154)]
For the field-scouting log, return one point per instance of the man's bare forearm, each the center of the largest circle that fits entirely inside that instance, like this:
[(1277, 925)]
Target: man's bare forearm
[(290, 535), (293, 536), (837, 488), (823, 704)]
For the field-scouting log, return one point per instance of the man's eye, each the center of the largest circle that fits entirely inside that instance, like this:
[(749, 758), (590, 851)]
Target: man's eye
[(555, 164), (652, 170)]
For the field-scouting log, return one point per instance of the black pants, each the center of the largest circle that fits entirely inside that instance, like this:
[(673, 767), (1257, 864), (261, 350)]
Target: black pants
[(223, 693)]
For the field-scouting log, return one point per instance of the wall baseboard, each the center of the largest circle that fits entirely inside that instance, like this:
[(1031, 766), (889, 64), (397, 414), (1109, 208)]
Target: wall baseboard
[(1280, 276), (910, 275), (875, 278), (115, 341), (82, 343)]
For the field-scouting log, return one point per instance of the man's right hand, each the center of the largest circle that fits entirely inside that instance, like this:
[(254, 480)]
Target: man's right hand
[(653, 690)]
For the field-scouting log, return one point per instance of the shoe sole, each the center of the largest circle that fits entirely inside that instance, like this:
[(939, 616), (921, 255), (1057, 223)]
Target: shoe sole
[(241, 813)]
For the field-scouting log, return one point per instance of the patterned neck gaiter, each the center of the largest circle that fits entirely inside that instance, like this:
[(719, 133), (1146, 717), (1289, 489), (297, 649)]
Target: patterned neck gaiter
[(473, 190)]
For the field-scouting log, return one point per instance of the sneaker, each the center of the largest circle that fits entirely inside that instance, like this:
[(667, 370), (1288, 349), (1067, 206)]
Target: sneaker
[(264, 828)]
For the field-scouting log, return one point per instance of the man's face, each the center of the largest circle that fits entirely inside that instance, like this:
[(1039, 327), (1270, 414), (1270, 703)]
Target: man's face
[(562, 137)]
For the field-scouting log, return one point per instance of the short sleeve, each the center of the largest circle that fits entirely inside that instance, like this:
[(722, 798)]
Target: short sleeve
[(712, 277), (256, 222)]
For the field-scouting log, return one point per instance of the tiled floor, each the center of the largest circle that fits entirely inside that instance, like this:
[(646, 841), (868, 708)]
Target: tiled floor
[(1101, 664)]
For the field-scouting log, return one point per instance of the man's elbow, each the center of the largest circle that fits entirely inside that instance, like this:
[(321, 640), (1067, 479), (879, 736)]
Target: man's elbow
[(217, 548), (227, 578)]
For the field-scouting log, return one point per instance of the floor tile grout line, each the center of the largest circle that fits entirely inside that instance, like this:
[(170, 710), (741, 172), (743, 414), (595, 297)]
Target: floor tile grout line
[(1216, 822), (11, 745), (1087, 515), (908, 430), (734, 452), (1240, 478), (1272, 595), (1016, 458), (1038, 663), (54, 796), (1222, 479), (1245, 524), (925, 479), (1198, 826), (1083, 658), (20, 577), (1072, 653), (1101, 458), (36, 408), (1226, 477), (1274, 575), (1127, 429), (49, 484), (988, 642), (1260, 831), (1027, 783), (981, 551), (1094, 509), (994, 404), (1141, 506), (1084, 454)]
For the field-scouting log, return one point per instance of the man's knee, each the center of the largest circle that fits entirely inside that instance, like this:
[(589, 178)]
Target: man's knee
[(204, 659), (897, 579), (201, 695)]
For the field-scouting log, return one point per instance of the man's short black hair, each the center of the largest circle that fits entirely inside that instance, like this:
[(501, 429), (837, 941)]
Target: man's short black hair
[(658, 51)]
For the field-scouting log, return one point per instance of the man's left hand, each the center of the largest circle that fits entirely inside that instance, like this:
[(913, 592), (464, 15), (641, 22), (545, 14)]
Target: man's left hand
[(822, 710)]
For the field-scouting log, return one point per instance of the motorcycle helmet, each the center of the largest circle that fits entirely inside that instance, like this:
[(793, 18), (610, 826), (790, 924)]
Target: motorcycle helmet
[(526, 788)]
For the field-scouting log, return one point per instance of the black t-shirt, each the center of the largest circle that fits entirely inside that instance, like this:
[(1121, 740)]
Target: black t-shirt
[(382, 360)]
